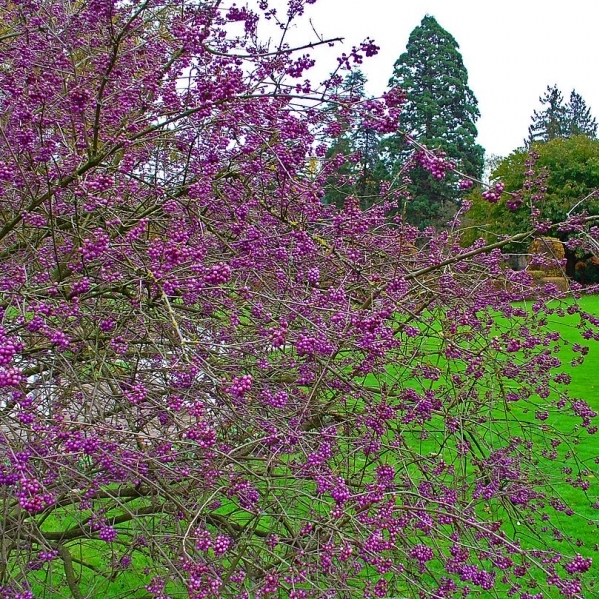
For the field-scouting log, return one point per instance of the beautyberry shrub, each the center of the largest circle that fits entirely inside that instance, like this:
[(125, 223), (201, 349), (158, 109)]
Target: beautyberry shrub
[(212, 384)]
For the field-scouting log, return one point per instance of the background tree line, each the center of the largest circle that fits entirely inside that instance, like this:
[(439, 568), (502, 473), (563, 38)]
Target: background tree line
[(440, 113)]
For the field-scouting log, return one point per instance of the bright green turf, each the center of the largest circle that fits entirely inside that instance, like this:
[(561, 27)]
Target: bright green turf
[(585, 384)]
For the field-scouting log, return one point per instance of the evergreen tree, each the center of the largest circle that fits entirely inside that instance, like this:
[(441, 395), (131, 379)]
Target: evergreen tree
[(551, 122), (360, 174), (559, 120), (440, 112), (580, 121)]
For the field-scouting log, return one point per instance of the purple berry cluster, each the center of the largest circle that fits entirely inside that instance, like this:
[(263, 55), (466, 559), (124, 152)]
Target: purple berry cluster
[(435, 163), (578, 565), (8, 348), (240, 386), (218, 274), (464, 184), (493, 194), (278, 336), (10, 377), (94, 247), (32, 497)]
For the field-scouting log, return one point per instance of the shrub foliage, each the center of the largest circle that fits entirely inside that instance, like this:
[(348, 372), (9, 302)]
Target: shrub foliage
[(214, 385)]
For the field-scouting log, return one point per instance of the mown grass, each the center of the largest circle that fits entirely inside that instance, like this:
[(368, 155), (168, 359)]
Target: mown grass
[(579, 531), (579, 536)]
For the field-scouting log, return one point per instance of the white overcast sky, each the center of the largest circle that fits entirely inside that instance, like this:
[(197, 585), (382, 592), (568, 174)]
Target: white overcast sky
[(512, 49)]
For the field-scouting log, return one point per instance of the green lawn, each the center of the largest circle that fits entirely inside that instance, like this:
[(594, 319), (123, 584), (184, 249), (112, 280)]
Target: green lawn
[(579, 536), (583, 527), (581, 530)]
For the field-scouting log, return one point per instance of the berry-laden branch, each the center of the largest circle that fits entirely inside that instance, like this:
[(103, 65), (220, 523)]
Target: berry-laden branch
[(212, 383)]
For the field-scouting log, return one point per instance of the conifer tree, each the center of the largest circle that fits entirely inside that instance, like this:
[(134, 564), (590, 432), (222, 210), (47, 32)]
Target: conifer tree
[(550, 122), (359, 173), (440, 112), (580, 121), (561, 120)]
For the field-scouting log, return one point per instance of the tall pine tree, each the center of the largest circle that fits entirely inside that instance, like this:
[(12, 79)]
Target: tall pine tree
[(550, 122), (360, 173), (559, 120), (440, 112), (579, 119)]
